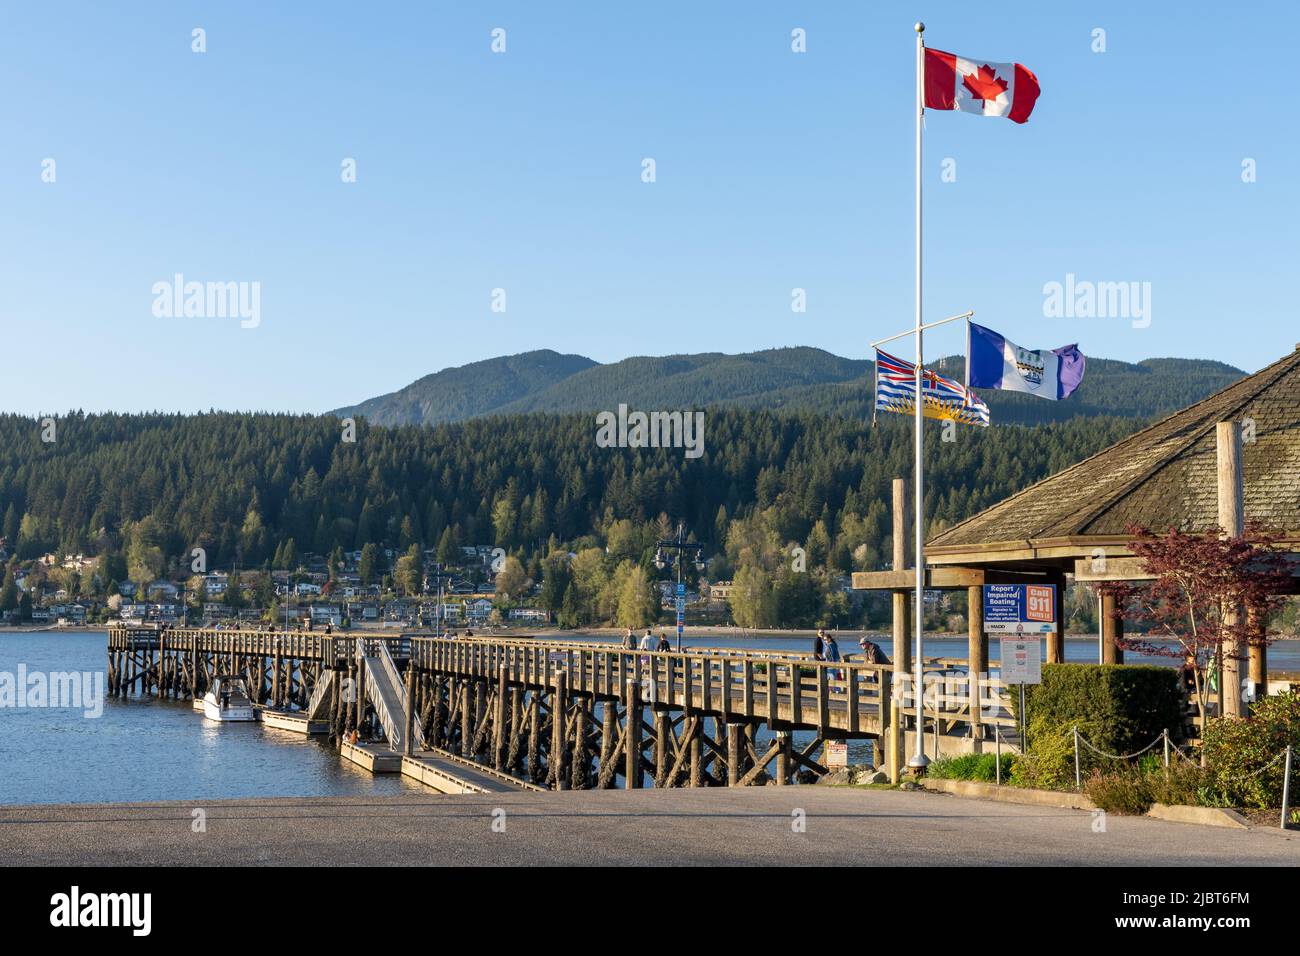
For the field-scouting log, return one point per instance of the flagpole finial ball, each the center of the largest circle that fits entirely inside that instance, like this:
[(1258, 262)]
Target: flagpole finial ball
[(920, 27)]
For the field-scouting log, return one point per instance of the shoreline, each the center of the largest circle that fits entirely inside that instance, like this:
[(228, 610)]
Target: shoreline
[(714, 630)]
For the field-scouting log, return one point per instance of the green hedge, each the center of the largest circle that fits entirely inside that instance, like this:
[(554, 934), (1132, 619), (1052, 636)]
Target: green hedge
[(1119, 708), (1243, 753)]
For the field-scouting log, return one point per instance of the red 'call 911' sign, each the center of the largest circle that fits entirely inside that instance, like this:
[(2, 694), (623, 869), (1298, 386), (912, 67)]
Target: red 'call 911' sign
[(1038, 603)]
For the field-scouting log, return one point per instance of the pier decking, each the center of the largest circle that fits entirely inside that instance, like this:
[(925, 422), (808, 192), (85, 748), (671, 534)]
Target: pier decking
[(476, 715)]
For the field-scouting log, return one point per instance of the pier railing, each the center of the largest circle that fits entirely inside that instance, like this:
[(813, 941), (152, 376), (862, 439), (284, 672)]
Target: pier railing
[(840, 696), (847, 696)]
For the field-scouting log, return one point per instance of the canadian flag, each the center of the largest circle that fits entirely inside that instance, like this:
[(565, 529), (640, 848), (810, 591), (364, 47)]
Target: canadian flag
[(977, 86)]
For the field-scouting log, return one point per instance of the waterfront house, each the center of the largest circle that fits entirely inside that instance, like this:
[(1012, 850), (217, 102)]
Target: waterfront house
[(528, 615)]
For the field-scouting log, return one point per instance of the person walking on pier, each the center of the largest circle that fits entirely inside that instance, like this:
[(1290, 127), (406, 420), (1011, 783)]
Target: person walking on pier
[(831, 652), (629, 640), (819, 645), (647, 667), (663, 644)]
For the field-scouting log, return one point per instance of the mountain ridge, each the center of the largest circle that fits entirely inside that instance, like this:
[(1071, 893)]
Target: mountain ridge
[(795, 378)]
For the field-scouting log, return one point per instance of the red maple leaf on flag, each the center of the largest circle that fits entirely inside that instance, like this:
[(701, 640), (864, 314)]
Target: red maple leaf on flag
[(984, 83)]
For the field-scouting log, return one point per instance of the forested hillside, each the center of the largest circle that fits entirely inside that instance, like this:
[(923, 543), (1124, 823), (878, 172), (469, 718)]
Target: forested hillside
[(240, 485)]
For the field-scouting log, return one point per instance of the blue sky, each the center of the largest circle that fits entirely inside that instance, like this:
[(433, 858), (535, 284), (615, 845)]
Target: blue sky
[(522, 171)]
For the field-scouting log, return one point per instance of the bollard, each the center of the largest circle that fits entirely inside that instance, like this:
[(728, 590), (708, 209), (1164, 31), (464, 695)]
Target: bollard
[(1286, 786), (1078, 779), (1166, 748)]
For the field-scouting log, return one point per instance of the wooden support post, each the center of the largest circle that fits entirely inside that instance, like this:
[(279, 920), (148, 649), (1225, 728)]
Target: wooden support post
[(1258, 662), (351, 707), (275, 678), (559, 707), (901, 599), (361, 690), (1112, 630), (662, 744), (608, 730), (894, 748), (339, 693), (410, 709), (517, 723), (609, 766), (1056, 639), (632, 735), (902, 629), (480, 701), (499, 721), (1232, 521), (696, 745), (534, 768), (901, 626), (466, 719), (735, 753), (783, 758), (977, 655), (580, 763)]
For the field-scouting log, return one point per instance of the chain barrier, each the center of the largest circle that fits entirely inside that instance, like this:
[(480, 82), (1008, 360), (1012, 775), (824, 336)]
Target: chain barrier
[(1084, 740)]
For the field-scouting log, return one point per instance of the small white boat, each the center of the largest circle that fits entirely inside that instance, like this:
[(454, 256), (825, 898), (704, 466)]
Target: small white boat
[(228, 701)]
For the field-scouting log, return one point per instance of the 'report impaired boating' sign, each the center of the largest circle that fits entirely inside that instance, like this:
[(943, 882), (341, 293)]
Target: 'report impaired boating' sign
[(1020, 608), (1021, 662)]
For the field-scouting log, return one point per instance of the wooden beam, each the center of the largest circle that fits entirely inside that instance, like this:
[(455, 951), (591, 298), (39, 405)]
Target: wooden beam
[(759, 764), (1104, 567)]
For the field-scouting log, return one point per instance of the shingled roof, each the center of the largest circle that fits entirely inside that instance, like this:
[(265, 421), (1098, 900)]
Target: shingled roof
[(1164, 476)]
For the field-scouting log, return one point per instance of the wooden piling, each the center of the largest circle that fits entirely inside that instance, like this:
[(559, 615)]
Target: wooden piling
[(632, 735)]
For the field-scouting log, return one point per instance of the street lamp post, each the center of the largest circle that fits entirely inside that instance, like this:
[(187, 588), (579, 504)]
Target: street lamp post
[(439, 576), (679, 548)]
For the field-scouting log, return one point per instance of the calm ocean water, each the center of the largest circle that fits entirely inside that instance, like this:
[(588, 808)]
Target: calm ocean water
[(145, 749)]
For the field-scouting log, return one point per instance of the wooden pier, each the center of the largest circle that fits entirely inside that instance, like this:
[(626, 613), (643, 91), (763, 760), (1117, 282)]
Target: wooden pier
[(473, 715)]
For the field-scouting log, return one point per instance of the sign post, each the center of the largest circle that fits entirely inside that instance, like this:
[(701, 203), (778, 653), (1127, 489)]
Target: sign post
[(1019, 613)]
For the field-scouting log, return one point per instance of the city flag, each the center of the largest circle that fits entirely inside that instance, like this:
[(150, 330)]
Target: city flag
[(943, 398), (995, 362), (978, 86)]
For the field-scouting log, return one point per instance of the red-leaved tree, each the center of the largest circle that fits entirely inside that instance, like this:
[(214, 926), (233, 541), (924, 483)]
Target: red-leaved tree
[(1211, 596)]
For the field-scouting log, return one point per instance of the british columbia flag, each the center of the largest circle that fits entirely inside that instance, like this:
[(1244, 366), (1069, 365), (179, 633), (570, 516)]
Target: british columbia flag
[(943, 398)]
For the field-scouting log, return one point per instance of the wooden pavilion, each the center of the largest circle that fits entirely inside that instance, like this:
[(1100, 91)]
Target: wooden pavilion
[(1230, 459)]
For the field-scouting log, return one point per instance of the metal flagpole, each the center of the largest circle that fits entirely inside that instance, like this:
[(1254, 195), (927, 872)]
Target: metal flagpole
[(919, 760)]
